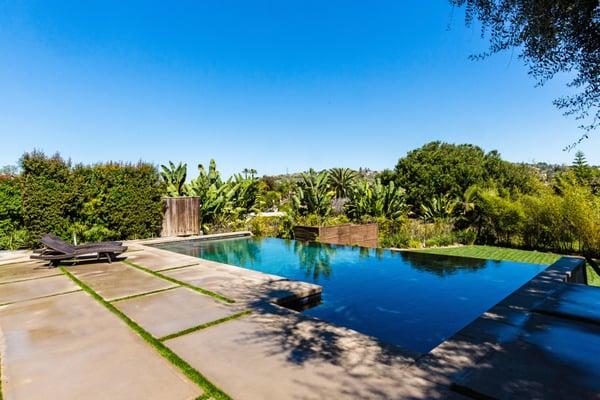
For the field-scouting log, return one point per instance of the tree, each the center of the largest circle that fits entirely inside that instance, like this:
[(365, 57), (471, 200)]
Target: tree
[(341, 181), (438, 169), (552, 36), (580, 165)]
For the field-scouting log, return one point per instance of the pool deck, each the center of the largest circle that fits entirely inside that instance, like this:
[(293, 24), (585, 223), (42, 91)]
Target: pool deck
[(227, 323)]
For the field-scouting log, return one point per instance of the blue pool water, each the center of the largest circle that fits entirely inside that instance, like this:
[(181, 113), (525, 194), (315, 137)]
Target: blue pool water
[(409, 299)]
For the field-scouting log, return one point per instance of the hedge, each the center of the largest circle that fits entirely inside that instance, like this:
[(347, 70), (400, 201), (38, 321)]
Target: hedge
[(93, 202)]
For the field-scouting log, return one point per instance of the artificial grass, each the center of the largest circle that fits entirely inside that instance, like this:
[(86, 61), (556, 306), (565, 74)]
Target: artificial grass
[(204, 326), (495, 253), (181, 283), (210, 390), (133, 296), (502, 253)]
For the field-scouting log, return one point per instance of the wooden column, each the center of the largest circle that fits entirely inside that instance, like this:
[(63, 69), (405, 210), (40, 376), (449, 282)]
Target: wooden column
[(181, 216)]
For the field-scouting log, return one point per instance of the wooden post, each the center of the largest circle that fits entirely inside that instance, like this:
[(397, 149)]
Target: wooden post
[(181, 216)]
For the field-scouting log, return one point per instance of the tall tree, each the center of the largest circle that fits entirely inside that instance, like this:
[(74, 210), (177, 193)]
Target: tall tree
[(580, 165), (552, 37)]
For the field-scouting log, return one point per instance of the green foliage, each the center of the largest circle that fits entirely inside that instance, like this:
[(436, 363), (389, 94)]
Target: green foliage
[(439, 169), (439, 208), (555, 37), (223, 205), (500, 218), (414, 233), (341, 181), (103, 201), (376, 200), (12, 236), (272, 226), (313, 195), (174, 178), (48, 197)]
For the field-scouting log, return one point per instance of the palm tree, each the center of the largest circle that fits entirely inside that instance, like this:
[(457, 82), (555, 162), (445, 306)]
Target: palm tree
[(341, 181)]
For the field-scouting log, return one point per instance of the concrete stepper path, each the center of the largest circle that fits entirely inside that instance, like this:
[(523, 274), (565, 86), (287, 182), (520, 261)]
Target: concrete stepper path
[(58, 342)]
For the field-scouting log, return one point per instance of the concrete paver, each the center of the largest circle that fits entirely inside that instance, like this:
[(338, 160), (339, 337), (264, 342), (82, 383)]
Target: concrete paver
[(284, 355), (33, 289), (243, 284), (157, 260), (25, 270), (116, 280), (174, 310), (70, 347), (551, 359)]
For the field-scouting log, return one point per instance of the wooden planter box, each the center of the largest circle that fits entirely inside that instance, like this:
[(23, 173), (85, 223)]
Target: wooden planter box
[(181, 216), (365, 235)]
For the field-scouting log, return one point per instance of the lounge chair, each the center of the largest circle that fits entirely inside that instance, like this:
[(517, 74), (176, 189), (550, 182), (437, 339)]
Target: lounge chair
[(56, 250)]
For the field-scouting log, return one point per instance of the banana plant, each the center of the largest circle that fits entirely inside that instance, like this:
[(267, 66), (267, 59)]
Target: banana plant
[(376, 200), (312, 195), (439, 208), (174, 177)]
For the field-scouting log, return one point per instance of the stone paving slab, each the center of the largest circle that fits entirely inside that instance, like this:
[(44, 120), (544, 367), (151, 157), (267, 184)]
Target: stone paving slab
[(279, 354), (552, 359), (174, 310), (574, 301), (36, 288), (14, 256), (242, 284), (25, 270), (117, 280), (70, 347), (157, 260)]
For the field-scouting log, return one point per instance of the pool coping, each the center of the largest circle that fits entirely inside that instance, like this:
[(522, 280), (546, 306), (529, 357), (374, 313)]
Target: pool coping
[(298, 295)]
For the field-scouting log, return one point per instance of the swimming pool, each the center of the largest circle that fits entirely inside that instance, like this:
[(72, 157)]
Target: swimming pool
[(412, 300)]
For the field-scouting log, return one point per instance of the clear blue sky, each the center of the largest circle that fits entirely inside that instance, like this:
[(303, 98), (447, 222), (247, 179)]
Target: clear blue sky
[(273, 85)]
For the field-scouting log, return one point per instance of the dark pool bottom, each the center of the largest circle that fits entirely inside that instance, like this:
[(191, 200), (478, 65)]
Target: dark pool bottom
[(409, 299)]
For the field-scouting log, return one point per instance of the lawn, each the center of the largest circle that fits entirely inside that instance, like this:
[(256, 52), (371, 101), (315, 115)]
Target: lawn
[(501, 253)]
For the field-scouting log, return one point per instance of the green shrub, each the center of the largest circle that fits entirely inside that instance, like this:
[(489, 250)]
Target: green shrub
[(97, 202), (273, 226), (12, 234)]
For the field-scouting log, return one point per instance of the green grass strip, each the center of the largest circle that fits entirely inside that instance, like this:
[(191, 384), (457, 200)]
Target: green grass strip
[(133, 296), (209, 389), (179, 267), (181, 283), (204, 326), (494, 253)]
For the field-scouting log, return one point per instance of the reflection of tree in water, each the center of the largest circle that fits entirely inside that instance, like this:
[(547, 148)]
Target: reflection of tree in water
[(242, 252), (314, 259), (442, 265)]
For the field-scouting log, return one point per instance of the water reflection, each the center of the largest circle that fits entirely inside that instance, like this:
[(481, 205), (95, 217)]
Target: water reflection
[(314, 259), (442, 266), (233, 252)]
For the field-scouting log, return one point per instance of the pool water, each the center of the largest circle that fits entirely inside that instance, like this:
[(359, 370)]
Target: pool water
[(409, 299)]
